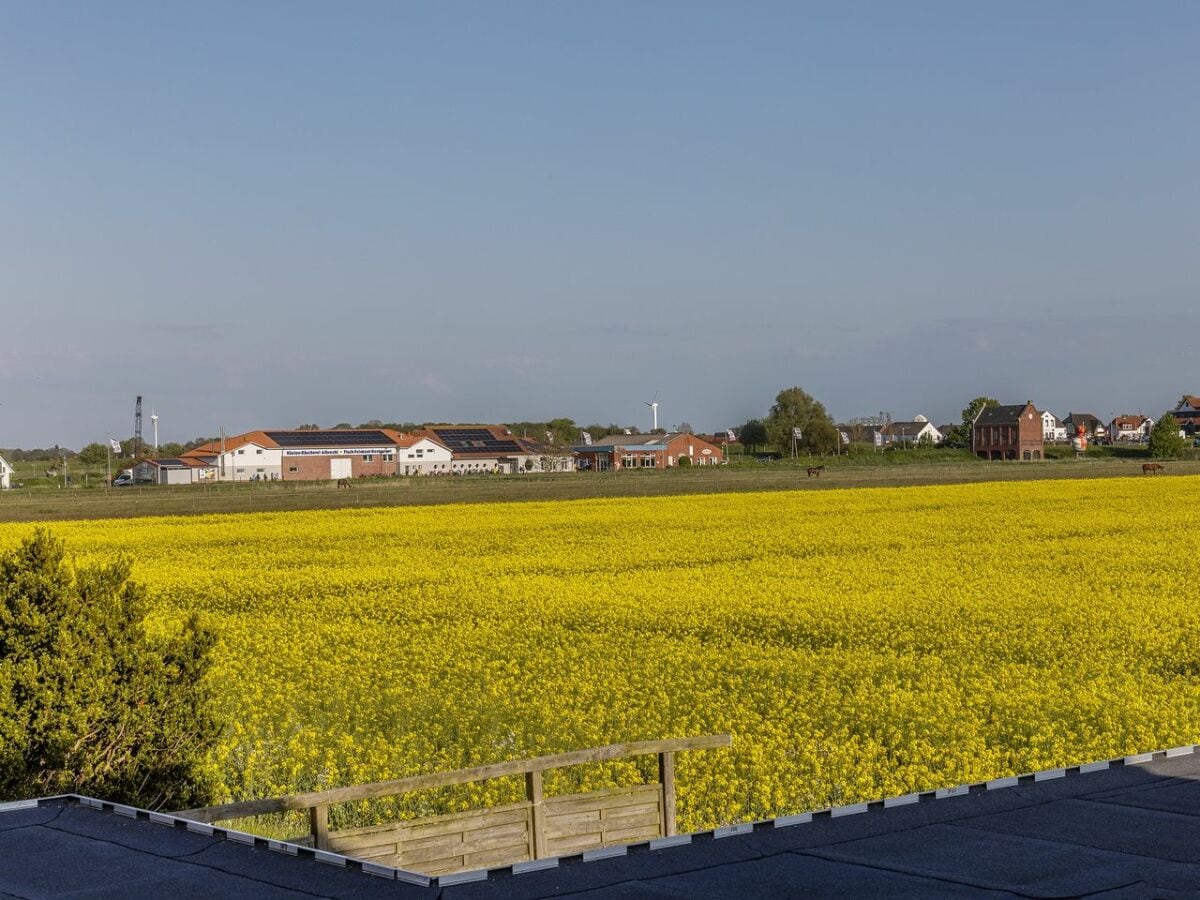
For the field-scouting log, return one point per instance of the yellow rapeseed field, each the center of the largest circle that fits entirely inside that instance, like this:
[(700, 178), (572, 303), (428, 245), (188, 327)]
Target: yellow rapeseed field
[(857, 643)]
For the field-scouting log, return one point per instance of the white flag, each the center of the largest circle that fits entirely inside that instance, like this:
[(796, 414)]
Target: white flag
[(116, 445), (845, 437), (797, 434), (729, 435), (549, 437), (878, 439), (627, 431), (587, 438)]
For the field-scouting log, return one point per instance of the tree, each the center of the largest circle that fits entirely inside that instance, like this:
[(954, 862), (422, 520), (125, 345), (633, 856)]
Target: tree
[(960, 435), (94, 455), (685, 428), (795, 408), (752, 434), (89, 702), (1165, 442)]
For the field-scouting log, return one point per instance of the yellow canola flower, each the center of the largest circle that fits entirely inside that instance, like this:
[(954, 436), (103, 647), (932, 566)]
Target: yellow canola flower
[(856, 643)]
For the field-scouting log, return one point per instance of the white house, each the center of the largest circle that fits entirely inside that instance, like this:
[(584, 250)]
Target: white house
[(909, 434), (1053, 431), (1130, 428), (6, 472), (422, 455)]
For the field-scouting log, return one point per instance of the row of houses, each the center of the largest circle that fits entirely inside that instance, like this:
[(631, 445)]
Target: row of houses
[(337, 454)]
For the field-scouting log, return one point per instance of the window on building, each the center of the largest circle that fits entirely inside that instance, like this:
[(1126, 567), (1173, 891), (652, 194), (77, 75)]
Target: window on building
[(258, 450), (241, 452), (292, 469), (367, 457), (388, 457)]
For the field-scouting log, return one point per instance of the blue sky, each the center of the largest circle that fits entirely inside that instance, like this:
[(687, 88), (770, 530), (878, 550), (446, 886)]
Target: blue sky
[(267, 214)]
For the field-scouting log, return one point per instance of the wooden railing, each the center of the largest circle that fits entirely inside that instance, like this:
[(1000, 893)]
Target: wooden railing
[(535, 828)]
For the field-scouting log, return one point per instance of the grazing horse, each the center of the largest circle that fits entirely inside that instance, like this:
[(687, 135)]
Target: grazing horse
[(343, 483), (1152, 468), (815, 471)]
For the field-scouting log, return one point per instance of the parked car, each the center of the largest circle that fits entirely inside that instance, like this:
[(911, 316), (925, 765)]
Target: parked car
[(123, 480)]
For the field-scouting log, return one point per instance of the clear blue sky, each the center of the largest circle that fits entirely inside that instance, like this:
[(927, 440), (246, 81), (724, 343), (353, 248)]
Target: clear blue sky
[(265, 214)]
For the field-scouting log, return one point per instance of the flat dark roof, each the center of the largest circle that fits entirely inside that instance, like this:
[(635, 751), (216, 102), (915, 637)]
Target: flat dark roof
[(1127, 828)]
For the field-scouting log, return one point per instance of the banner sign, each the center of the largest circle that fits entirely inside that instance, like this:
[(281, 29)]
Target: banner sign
[(340, 451)]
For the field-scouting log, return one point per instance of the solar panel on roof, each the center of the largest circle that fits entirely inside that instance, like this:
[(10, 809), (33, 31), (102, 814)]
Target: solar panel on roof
[(327, 438), (476, 440)]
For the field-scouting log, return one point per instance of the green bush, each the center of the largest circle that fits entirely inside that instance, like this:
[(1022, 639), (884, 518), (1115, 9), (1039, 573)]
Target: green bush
[(89, 702)]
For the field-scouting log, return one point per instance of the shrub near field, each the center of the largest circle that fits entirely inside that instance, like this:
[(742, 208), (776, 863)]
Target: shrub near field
[(857, 644)]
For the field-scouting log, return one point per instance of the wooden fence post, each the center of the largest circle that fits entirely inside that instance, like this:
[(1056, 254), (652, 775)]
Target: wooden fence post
[(537, 815), (318, 822), (666, 775)]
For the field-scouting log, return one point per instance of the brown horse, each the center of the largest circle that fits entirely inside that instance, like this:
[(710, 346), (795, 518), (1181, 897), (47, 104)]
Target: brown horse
[(344, 483), (815, 471), (1152, 468)]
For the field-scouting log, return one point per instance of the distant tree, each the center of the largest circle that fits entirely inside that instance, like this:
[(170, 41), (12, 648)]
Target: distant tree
[(960, 435), (312, 427), (170, 450), (1165, 442), (684, 428), (343, 426), (795, 408), (90, 702), (374, 423), (753, 434), (94, 454)]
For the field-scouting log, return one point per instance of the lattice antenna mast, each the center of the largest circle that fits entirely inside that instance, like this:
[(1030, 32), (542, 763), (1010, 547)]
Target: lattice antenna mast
[(137, 429)]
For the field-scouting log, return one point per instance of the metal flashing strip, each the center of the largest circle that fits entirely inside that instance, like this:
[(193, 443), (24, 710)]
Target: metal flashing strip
[(960, 790), (463, 877), (732, 830), (852, 810), (1181, 751), (605, 852), (903, 800), (1049, 774), (14, 805), (789, 821), (1100, 766), (1005, 782), (535, 865)]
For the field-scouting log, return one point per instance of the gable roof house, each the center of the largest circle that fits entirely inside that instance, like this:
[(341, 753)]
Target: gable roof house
[(909, 434), (480, 449), (6, 472), (1130, 428), (1052, 428), (1187, 414), (1092, 426), (1008, 432)]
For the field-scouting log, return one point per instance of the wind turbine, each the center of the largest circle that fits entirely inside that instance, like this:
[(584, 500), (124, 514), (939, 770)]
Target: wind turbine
[(653, 404), (154, 421)]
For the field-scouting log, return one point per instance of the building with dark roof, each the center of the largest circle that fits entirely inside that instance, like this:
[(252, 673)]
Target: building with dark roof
[(1093, 428), (1008, 432), (493, 449)]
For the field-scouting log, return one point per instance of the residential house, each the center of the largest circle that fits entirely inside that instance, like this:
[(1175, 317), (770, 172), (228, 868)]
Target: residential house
[(646, 451), (1053, 430), (1093, 428), (6, 473), (1008, 432), (909, 434), (1187, 413), (1130, 428)]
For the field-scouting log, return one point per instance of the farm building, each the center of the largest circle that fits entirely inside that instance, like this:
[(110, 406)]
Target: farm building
[(6, 473), (422, 455), (1130, 428), (478, 449), (301, 455), (1008, 432), (646, 451), (174, 471)]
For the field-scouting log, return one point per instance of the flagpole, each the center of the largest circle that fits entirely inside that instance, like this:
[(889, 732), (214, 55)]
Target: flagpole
[(108, 463)]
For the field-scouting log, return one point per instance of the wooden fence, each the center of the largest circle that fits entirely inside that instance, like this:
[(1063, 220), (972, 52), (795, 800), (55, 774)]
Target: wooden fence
[(534, 828)]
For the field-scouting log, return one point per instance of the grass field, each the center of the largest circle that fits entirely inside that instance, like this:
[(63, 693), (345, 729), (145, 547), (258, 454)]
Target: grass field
[(905, 468), (856, 643)]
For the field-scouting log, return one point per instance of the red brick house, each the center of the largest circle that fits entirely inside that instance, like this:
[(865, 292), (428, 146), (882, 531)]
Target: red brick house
[(1008, 432)]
